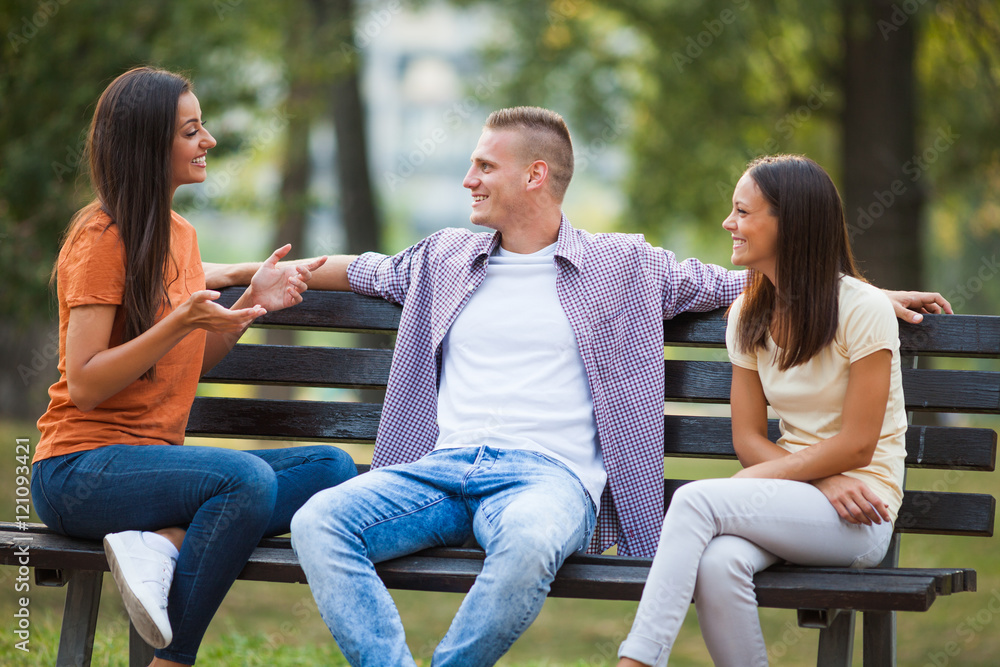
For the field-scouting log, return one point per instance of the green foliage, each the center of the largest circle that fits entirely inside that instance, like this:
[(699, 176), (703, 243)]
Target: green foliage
[(56, 59), (705, 87)]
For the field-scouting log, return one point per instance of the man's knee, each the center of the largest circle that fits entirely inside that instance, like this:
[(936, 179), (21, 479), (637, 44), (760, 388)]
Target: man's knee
[(319, 513)]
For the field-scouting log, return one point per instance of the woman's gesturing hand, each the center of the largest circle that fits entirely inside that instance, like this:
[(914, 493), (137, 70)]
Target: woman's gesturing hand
[(275, 286), (202, 312), (853, 500)]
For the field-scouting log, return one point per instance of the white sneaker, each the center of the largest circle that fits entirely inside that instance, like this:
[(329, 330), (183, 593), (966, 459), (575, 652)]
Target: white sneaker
[(143, 576)]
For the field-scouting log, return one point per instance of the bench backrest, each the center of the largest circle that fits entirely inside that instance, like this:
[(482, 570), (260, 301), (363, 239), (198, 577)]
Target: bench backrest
[(951, 448)]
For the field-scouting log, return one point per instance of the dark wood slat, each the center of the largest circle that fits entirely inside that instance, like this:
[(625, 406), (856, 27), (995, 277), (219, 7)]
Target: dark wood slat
[(927, 512), (619, 579), (924, 390), (952, 447), (334, 311), (303, 366), (318, 421), (938, 335), (947, 513), (598, 577)]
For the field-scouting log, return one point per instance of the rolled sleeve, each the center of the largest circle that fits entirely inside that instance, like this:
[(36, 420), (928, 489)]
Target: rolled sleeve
[(383, 276), (692, 286)]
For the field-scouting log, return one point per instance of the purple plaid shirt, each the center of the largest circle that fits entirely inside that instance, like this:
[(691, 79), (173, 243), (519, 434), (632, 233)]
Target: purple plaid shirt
[(616, 290)]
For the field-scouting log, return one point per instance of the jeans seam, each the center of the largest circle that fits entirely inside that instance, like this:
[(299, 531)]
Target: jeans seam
[(362, 530)]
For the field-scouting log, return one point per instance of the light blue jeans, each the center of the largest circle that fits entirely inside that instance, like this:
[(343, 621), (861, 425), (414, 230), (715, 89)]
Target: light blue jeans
[(529, 512), (716, 535)]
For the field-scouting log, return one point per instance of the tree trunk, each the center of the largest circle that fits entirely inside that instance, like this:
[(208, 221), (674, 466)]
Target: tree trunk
[(882, 186), (293, 205)]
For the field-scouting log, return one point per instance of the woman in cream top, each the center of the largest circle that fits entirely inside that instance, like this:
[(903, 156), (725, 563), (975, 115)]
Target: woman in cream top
[(820, 345)]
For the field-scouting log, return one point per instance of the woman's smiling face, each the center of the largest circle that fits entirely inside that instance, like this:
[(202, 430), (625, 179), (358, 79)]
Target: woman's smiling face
[(754, 229), (191, 143)]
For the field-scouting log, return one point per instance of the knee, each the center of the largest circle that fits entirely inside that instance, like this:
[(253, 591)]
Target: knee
[(336, 465), (722, 572), (252, 484), (536, 548), (319, 513)]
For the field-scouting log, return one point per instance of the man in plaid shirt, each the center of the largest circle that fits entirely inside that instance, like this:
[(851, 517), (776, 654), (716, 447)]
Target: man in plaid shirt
[(524, 407)]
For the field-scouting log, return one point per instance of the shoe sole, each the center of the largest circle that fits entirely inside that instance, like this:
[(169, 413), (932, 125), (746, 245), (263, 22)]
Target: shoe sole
[(141, 620)]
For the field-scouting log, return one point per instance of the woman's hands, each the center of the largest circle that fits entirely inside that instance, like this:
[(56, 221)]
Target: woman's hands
[(201, 311), (853, 500), (275, 286)]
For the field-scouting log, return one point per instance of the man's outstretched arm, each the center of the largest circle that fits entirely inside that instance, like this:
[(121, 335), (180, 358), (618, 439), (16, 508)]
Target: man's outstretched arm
[(329, 276)]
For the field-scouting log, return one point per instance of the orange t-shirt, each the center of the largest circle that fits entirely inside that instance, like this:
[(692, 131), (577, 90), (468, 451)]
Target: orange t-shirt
[(91, 270)]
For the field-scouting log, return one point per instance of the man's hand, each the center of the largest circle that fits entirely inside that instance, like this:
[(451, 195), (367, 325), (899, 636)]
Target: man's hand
[(853, 500), (910, 306), (276, 286)]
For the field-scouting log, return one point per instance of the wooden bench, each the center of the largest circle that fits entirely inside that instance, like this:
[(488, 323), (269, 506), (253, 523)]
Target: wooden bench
[(825, 598)]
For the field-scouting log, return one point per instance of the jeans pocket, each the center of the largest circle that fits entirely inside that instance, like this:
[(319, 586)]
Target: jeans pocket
[(874, 556), (43, 508)]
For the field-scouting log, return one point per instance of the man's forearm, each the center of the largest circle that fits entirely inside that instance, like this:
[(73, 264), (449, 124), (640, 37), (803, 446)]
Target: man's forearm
[(333, 274), (218, 276), (330, 276)]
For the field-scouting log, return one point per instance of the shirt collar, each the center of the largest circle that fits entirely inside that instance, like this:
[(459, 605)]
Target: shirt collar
[(568, 244)]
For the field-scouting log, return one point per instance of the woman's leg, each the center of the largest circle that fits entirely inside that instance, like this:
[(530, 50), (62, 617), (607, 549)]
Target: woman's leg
[(302, 472), (225, 499), (791, 520), (726, 602)]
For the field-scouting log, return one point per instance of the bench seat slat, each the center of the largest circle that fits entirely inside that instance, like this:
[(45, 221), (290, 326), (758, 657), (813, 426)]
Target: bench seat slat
[(597, 577), (927, 512)]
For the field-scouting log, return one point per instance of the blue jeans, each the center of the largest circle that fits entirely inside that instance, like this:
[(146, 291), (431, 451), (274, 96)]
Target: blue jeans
[(226, 499), (528, 512)]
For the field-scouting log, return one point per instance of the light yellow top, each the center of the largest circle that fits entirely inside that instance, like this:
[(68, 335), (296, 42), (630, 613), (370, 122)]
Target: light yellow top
[(809, 398)]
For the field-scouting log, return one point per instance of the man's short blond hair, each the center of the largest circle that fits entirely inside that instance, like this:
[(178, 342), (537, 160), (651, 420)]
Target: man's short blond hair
[(544, 136)]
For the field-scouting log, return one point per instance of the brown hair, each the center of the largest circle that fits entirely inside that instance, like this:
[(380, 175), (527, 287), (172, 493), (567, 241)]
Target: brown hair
[(813, 250), (545, 137), (129, 147)]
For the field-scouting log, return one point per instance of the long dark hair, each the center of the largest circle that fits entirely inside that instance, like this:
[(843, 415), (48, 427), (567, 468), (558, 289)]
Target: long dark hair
[(129, 148), (813, 249)]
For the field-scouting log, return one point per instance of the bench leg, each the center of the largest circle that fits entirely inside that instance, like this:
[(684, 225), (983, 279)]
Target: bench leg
[(83, 599), (880, 638), (836, 643), (140, 654)]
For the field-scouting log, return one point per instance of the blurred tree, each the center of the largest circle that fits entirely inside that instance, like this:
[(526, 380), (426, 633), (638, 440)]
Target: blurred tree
[(323, 65), (56, 58)]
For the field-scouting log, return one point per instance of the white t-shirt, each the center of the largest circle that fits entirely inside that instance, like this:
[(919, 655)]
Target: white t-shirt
[(511, 372), (809, 398)]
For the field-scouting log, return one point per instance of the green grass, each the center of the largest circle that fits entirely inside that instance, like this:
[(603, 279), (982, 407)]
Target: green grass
[(278, 624)]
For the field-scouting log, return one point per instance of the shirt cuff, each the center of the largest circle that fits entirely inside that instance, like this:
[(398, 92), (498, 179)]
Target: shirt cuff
[(362, 272)]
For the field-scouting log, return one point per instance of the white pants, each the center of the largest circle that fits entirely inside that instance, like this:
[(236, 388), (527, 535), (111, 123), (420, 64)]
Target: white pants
[(716, 535)]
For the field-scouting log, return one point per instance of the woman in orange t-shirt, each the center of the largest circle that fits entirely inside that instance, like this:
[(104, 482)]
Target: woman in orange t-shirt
[(137, 329)]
